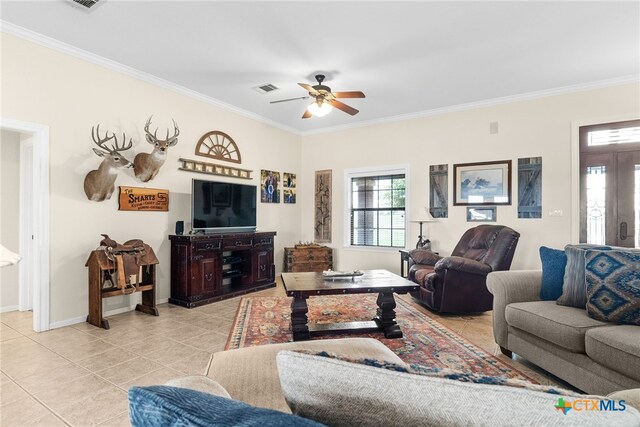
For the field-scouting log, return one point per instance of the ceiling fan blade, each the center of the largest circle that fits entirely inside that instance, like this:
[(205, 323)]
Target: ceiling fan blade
[(353, 94), (342, 106), (306, 114), (290, 99), (309, 89)]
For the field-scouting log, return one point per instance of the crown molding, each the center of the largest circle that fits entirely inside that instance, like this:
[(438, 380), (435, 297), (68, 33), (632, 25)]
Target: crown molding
[(482, 104), (49, 42), (59, 46)]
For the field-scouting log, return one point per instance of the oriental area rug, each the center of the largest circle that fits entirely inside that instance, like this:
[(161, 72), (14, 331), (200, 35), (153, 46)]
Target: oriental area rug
[(266, 320)]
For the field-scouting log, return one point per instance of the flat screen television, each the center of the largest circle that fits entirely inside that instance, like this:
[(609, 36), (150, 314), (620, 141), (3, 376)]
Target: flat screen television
[(223, 206)]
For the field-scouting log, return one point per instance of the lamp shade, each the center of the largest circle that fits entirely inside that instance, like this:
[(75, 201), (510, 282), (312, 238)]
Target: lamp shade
[(319, 110)]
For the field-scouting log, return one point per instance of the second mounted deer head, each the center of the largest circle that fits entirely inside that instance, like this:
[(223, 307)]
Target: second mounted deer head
[(99, 184), (147, 165)]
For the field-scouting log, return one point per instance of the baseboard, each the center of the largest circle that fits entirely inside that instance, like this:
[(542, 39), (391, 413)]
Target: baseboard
[(9, 308), (75, 320)]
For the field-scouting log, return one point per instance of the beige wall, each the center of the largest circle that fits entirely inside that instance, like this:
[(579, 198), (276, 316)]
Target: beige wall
[(9, 215), (70, 95), (539, 127), (44, 86)]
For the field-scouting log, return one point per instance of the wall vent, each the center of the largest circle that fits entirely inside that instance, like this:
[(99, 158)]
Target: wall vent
[(265, 88), (87, 4)]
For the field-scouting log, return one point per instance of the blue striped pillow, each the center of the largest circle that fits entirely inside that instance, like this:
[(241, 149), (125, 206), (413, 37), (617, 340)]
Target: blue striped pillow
[(574, 290)]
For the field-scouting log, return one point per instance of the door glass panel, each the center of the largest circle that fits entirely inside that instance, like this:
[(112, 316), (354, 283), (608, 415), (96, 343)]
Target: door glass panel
[(596, 192), (614, 136)]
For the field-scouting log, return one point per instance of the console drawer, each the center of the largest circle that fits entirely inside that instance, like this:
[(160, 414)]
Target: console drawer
[(237, 243), (209, 246)]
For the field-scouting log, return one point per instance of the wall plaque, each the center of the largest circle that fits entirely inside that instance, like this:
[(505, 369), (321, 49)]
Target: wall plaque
[(143, 199)]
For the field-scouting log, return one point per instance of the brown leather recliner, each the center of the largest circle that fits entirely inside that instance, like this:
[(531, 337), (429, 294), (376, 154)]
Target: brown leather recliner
[(457, 283)]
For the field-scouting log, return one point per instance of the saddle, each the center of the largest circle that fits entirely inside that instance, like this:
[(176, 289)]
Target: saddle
[(128, 259)]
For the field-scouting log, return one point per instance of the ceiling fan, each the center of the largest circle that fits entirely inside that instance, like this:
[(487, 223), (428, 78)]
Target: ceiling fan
[(324, 99)]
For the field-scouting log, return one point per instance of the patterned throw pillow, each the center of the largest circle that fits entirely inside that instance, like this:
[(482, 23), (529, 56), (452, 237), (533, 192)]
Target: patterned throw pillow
[(613, 286), (574, 291)]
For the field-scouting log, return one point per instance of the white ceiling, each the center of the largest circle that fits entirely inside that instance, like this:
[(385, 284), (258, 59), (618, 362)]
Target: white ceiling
[(407, 57)]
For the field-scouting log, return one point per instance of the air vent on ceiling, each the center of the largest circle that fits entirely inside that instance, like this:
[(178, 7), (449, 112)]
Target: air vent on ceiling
[(265, 88), (86, 3)]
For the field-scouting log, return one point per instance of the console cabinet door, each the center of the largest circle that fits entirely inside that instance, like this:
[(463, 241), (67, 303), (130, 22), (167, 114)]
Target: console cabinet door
[(207, 278), (263, 264)]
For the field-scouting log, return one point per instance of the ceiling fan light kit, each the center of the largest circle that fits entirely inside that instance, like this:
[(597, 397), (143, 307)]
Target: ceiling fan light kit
[(325, 100), (319, 108)]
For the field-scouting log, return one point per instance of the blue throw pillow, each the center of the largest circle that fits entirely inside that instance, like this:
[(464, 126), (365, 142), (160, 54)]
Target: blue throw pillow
[(172, 406), (554, 262), (613, 286)]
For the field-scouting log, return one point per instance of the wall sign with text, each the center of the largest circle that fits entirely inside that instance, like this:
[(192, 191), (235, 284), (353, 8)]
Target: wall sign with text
[(143, 199)]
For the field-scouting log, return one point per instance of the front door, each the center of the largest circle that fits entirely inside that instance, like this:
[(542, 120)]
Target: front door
[(610, 184)]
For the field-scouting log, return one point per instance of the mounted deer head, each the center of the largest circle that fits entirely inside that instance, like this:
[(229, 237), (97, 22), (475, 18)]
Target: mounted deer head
[(147, 165), (99, 183)]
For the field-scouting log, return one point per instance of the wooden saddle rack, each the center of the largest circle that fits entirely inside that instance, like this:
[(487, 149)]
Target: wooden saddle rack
[(121, 269)]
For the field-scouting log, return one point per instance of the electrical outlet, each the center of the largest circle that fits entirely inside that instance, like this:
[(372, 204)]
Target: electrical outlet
[(555, 212)]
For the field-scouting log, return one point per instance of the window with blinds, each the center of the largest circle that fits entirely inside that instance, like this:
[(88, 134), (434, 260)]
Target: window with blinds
[(378, 211)]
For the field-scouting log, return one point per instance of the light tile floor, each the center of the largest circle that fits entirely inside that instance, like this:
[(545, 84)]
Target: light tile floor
[(79, 375)]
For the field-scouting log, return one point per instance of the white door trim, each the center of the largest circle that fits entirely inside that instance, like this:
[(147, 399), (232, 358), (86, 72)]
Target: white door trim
[(40, 209), (25, 288)]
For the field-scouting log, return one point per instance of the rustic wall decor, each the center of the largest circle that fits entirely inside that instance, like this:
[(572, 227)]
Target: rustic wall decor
[(288, 187), (218, 145), (213, 169), (322, 223), (530, 187), (99, 184), (483, 183), (439, 191), (143, 199), (147, 165), (270, 186)]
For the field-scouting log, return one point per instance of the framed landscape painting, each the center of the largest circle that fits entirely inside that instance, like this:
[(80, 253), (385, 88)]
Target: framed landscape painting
[(484, 183)]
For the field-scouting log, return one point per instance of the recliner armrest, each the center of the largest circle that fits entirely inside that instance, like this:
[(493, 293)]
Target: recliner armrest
[(424, 256), (465, 265)]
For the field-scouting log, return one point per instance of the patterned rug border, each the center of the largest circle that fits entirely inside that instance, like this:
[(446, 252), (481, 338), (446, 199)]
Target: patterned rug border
[(236, 337)]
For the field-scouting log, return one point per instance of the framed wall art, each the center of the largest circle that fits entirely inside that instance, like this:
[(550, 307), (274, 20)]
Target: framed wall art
[(439, 191), (481, 214), (322, 218), (269, 187), (484, 183), (288, 187), (530, 187)]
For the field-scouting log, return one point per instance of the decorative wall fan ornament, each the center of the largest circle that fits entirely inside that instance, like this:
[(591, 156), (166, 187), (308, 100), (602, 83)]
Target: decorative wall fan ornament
[(218, 145), (325, 100)]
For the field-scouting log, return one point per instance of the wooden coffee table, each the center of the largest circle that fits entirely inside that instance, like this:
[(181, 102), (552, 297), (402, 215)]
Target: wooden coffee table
[(301, 286)]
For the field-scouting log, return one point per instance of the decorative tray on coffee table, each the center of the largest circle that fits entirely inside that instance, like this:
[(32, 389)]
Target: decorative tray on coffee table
[(330, 274)]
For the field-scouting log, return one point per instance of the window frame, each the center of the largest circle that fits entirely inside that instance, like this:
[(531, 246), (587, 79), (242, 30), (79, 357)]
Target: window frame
[(366, 172)]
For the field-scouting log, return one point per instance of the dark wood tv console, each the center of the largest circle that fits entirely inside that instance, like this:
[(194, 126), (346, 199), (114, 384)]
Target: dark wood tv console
[(210, 267)]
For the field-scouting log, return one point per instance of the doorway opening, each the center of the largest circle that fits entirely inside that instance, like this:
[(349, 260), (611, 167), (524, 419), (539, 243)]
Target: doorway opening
[(610, 184), (33, 219)]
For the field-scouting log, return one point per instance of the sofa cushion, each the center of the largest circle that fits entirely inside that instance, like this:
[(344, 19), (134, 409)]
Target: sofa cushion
[(616, 347), (563, 326), (554, 262), (574, 290), (340, 393), (249, 374), (173, 406), (613, 286)]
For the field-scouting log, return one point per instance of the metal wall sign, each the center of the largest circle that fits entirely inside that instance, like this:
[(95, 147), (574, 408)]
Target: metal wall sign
[(143, 199)]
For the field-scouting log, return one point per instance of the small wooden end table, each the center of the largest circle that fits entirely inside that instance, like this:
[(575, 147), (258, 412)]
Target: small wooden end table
[(301, 286)]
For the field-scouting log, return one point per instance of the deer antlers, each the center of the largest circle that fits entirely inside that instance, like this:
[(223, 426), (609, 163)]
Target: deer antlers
[(168, 140), (100, 142)]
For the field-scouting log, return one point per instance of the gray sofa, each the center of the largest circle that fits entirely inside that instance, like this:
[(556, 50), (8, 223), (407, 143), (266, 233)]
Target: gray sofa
[(596, 357)]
